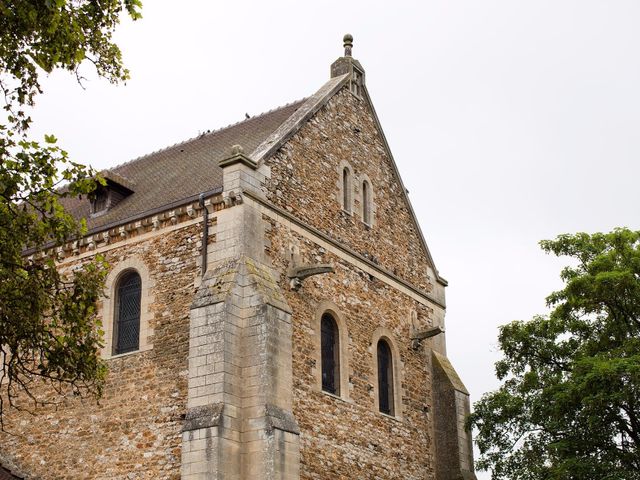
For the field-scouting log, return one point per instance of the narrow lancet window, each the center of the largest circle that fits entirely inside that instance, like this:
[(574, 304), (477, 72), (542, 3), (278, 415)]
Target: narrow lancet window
[(366, 203), (330, 347), (385, 378), (127, 318), (346, 189)]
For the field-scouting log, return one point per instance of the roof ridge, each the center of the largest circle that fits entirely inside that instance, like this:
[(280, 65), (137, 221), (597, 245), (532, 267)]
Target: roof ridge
[(210, 132)]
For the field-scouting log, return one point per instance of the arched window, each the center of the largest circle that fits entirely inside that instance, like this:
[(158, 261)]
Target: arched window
[(346, 189), (126, 331), (385, 378), (366, 203), (330, 354)]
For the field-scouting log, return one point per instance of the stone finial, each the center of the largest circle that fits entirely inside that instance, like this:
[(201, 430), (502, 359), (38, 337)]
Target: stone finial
[(348, 44), (347, 64), (237, 149), (237, 156)]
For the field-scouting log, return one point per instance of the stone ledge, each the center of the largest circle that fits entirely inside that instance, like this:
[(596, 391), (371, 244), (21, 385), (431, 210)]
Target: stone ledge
[(281, 420), (451, 374), (203, 417), (117, 233), (282, 216), (219, 282)]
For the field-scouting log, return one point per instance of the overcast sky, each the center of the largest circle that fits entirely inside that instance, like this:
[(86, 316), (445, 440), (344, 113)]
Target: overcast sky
[(511, 121)]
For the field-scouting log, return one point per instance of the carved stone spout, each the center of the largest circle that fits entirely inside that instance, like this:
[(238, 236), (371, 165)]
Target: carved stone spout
[(298, 274)]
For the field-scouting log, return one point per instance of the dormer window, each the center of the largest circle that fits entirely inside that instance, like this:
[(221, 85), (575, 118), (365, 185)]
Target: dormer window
[(99, 203), (108, 196)]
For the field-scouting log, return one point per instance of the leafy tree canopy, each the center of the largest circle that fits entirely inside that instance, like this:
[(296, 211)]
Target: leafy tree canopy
[(569, 404), (47, 329)]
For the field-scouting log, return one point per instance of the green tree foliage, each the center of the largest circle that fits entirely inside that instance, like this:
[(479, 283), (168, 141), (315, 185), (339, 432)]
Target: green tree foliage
[(47, 329), (569, 405)]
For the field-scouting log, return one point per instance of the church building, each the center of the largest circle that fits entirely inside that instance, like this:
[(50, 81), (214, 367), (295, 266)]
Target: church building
[(272, 311)]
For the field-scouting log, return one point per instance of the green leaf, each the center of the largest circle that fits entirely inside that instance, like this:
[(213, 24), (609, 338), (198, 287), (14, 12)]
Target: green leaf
[(47, 322), (568, 405)]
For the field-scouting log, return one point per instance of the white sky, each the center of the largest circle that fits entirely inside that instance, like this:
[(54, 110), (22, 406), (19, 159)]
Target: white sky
[(511, 121)]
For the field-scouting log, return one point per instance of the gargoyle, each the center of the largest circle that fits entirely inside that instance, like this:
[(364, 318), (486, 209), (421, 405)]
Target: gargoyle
[(417, 337), (298, 274)]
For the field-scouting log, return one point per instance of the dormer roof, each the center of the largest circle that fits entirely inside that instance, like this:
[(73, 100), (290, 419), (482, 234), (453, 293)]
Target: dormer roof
[(115, 180)]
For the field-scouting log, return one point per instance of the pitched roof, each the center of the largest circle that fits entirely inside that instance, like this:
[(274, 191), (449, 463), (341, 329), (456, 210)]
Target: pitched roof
[(178, 174), (182, 171)]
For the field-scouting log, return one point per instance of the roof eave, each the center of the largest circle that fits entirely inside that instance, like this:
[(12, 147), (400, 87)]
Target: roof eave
[(300, 117)]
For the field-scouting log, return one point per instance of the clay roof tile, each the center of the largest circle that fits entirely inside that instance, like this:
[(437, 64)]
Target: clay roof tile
[(180, 171)]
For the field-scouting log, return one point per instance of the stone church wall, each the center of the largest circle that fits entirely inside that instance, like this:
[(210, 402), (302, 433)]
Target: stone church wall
[(345, 436), (306, 181), (134, 430)]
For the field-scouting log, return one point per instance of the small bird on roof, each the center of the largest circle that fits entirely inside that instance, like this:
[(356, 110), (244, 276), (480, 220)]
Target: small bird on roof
[(246, 115)]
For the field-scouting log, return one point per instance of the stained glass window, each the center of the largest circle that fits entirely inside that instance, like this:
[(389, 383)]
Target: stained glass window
[(385, 378), (127, 321), (330, 347)]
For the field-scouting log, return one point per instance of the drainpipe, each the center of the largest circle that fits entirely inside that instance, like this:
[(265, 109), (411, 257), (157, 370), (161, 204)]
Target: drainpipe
[(205, 233)]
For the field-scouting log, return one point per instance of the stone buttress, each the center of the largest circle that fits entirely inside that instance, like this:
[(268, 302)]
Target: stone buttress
[(239, 423), (454, 449)]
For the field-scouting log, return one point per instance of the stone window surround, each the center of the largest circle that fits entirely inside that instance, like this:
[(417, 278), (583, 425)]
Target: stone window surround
[(385, 334), (108, 306), (350, 195), (355, 193), (362, 178), (331, 308)]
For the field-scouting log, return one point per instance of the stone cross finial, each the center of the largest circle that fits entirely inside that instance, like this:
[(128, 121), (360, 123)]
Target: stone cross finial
[(348, 44)]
